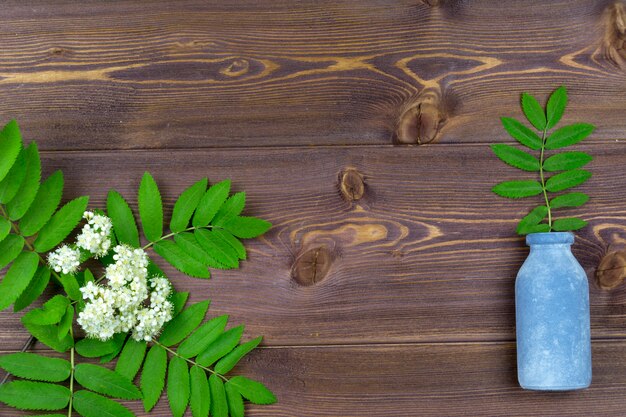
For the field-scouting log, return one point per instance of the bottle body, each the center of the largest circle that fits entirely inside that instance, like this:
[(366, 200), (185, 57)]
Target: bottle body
[(552, 316)]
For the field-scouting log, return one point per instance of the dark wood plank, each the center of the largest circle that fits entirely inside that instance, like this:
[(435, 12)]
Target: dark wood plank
[(426, 254), (130, 74), (464, 379)]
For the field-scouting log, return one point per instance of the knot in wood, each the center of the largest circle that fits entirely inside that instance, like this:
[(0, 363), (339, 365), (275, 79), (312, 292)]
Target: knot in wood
[(236, 68), (614, 42), (612, 270), (351, 184), (312, 266), (420, 122)]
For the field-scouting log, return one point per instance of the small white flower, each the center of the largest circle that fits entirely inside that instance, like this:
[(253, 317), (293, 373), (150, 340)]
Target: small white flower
[(94, 236), (64, 259)]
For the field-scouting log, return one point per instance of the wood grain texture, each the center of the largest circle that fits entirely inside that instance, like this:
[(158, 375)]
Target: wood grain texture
[(185, 74)]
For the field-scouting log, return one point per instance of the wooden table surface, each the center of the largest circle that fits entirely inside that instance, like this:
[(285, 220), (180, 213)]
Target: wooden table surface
[(361, 130)]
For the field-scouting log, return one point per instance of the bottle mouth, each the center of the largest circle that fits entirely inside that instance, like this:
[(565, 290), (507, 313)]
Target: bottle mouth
[(550, 238)]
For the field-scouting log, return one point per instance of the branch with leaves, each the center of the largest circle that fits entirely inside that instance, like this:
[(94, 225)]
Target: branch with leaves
[(567, 164), (130, 313)]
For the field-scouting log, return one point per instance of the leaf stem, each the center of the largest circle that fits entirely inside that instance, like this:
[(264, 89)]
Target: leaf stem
[(189, 360), (543, 181), (69, 407), (149, 245)]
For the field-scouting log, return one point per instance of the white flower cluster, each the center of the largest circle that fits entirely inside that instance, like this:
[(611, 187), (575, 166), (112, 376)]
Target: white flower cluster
[(64, 259), (121, 306), (95, 234)]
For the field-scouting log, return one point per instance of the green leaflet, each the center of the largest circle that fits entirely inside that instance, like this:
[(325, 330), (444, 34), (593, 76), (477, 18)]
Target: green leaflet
[(11, 183), (219, 404), (10, 146), (150, 208), (566, 160), (70, 286), (61, 224), (251, 390), (200, 397), (532, 219), (89, 404), (131, 358), (28, 395), (567, 179), (217, 248), (179, 299), (567, 224), (569, 135), (45, 204), (231, 208), (246, 227), (518, 189), (49, 336), (105, 381), (515, 157), (182, 325), (17, 278), (186, 204), (556, 106), (210, 203), (123, 220), (178, 386), (521, 133), (5, 228), (36, 287), (224, 344), (94, 348), (199, 340), (52, 311), (569, 200), (228, 362), (118, 343), (27, 191), (37, 367), (235, 401), (66, 322), (190, 245), (533, 111), (235, 243), (180, 259), (10, 247), (153, 376)]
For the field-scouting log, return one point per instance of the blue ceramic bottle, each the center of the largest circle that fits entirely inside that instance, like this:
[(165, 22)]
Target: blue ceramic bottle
[(552, 314)]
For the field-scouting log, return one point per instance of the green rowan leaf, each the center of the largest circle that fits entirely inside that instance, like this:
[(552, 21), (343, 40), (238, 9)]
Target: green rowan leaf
[(566, 160), (61, 224), (567, 179), (190, 245), (246, 227), (211, 202), (538, 228), (45, 204), (150, 208), (568, 135), (118, 342), (232, 241), (66, 322), (235, 401), (89, 404), (13, 179), (556, 106), (5, 228), (569, 200), (27, 191), (17, 278), (515, 157), (10, 146), (217, 248), (521, 133), (567, 224), (179, 299), (223, 345), (10, 248), (105, 381), (199, 340), (153, 376), (52, 311), (533, 111), (518, 189), (49, 336), (200, 397), (37, 367), (532, 219), (123, 220), (219, 404), (178, 386), (131, 358), (180, 259), (94, 348), (228, 362), (28, 395), (252, 390), (182, 325), (36, 287), (186, 204), (231, 208), (70, 286)]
